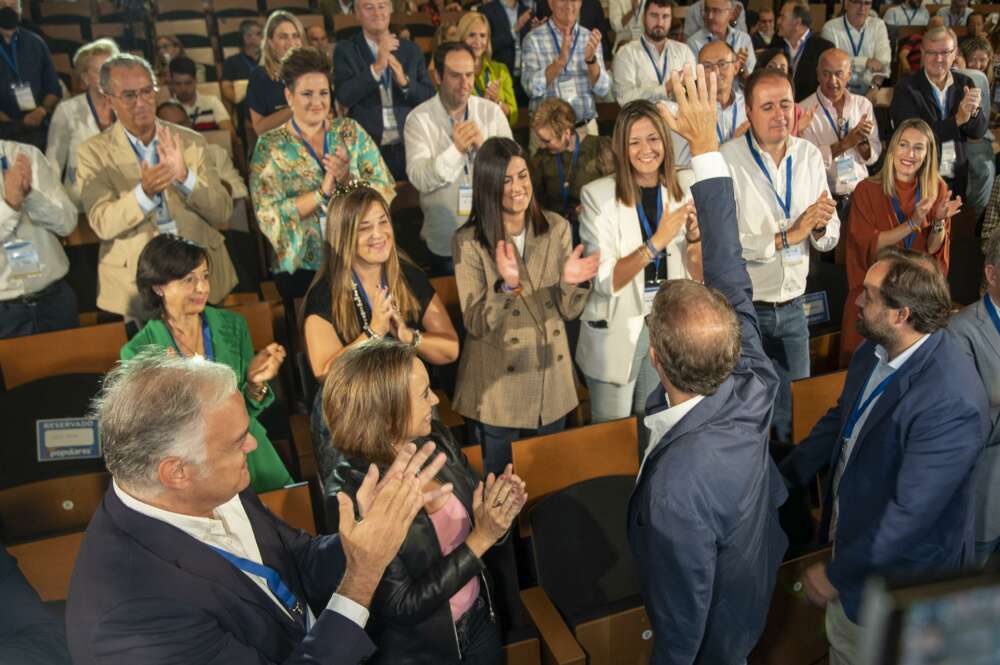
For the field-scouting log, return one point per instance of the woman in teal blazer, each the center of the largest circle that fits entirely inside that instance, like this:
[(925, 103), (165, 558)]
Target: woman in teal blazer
[(172, 277)]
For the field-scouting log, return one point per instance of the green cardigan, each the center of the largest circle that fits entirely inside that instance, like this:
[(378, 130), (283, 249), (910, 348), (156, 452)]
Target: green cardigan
[(232, 346)]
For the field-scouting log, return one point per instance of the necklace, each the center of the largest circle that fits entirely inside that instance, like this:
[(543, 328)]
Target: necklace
[(359, 305), (184, 348)]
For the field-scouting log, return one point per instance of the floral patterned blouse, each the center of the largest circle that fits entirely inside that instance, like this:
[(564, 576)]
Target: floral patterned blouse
[(282, 169)]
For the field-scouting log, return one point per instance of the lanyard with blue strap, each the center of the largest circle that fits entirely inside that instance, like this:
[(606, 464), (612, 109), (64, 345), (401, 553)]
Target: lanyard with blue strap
[(9, 55), (646, 226), (309, 148), (836, 127), (270, 575), (464, 119), (481, 91), (555, 39), (861, 40), (732, 128), (793, 60), (786, 205), (908, 241), (564, 178), (861, 406), (93, 112), (909, 17), (206, 337), (992, 309), (661, 74), (942, 105)]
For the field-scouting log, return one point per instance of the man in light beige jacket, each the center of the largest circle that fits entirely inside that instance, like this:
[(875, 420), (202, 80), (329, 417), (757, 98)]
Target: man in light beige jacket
[(141, 177)]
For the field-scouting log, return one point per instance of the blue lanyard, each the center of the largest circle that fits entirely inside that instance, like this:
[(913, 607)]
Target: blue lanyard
[(464, 119), (661, 75), (159, 199), (786, 205), (646, 226), (309, 148), (361, 291), (563, 179), (991, 308), (3, 163), (908, 241), (481, 91), (93, 111), (860, 407), (732, 128), (836, 127), (793, 61), (10, 56), (274, 581), (555, 39), (910, 17), (942, 105), (861, 40)]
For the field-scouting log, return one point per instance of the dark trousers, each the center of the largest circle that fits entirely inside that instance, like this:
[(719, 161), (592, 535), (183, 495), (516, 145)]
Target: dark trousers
[(496, 441), (440, 266), (52, 308), (293, 285), (395, 158), (479, 636)]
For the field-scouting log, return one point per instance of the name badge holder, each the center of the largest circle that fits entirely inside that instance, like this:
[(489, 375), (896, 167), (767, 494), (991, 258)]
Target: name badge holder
[(566, 87), (21, 90), (464, 204), (22, 259)]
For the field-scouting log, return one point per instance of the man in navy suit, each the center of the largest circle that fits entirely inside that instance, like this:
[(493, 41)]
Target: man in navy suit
[(703, 520), (29, 633), (902, 443), (379, 78), (183, 564)]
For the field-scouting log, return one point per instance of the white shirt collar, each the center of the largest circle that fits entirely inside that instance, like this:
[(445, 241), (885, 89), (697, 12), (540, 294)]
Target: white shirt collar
[(825, 101), (897, 362), (137, 142), (664, 420), (947, 83), (199, 528)]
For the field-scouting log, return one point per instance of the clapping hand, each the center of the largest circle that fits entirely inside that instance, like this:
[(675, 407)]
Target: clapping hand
[(922, 212), (155, 179), (804, 120), (742, 56), (694, 119), (593, 43), (507, 264), (968, 106), (409, 463), (17, 181), (265, 365), (335, 169), (947, 208), (466, 136), (579, 269), (493, 91), (169, 149), (381, 306), (494, 507)]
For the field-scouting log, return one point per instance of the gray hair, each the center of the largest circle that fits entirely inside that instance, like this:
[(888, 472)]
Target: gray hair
[(103, 46), (940, 33), (152, 407), (123, 61), (991, 250)]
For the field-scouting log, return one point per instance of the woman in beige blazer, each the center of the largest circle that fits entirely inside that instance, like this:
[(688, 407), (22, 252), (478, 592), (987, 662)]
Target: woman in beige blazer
[(518, 280), (640, 248)]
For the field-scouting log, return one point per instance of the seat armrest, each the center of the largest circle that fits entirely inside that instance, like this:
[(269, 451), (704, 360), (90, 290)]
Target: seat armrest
[(559, 646)]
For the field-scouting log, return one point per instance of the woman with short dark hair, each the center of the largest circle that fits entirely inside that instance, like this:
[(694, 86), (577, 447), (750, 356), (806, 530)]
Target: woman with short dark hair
[(519, 279), (172, 278), (433, 605), (297, 166)]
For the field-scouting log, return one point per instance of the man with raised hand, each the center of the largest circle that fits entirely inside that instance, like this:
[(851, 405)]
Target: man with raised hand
[(703, 520)]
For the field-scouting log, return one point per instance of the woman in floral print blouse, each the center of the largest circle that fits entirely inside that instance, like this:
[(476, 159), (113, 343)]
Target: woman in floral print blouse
[(296, 167)]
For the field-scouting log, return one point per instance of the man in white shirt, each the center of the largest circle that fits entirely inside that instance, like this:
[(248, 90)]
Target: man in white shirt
[(730, 107), (842, 127), (34, 210), (442, 136), (866, 39), (694, 17), (641, 68), (907, 12), (206, 111), (956, 14), (718, 15), (783, 207), (183, 563)]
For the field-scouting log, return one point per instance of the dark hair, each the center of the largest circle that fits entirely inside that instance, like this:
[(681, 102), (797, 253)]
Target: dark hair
[(303, 60), (170, 104), (183, 65), (760, 74), (915, 281), (245, 28), (487, 192), (165, 258), (695, 335), (659, 3), (801, 11), (442, 51)]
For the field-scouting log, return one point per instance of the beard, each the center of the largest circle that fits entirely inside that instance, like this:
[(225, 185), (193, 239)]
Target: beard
[(872, 330), (656, 34)]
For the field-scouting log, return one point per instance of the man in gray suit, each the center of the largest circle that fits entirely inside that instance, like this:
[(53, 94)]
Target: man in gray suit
[(977, 329)]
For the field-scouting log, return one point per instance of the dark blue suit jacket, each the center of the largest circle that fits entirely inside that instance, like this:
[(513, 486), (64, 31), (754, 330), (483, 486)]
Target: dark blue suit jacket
[(501, 32), (703, 520), (146, 592), (29, 634), (357, 89), (906, 493)]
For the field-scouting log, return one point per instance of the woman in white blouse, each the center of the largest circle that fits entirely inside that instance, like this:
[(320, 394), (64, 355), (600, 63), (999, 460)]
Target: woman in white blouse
[(643, 222), (79, 118)]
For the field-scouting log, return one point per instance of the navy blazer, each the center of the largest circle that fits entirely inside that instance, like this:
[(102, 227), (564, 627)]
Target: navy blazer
[(805, 78), (29, 633), (906, 493), (913, 97), (357, 89), (703, 519), (501, 31), (146, 592)]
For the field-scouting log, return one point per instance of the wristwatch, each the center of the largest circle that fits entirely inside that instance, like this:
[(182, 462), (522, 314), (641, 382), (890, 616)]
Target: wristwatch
[(939, 226), (417, 338)]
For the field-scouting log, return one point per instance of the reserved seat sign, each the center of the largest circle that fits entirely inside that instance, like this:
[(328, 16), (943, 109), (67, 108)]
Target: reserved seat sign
[(67, 439)]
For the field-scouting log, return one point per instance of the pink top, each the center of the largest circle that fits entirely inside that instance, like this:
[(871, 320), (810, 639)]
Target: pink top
[(452, 525)]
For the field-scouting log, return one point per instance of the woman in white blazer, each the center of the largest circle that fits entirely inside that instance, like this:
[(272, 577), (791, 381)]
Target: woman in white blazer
[(643, 222)]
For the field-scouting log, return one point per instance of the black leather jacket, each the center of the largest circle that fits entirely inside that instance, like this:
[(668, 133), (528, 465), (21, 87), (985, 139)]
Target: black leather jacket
[(410, 620)]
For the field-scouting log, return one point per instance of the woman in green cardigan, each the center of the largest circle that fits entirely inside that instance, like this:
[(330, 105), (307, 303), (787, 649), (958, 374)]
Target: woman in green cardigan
[(172, 278), (493, 80)]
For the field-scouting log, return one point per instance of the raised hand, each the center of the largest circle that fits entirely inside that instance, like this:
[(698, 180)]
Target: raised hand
[(155, 179), (692, 232), (741, 56), (23, 163), (14, 183), (466, 135), (265, 365), (386, 45), (947, 208), (593, 43), (336, 169), (168, 147), (742, 129), (522, 19), (804, 120), (409, 463), (922, 212), (670, 223), (493, 92), (967, 107), (507, 264), (694, 119), (381, 304), (578, 269), (494, 507)]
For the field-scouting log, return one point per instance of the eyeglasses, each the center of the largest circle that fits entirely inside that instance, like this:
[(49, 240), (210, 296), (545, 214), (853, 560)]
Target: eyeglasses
[(712, 11), (719, 66), (939, 54), (131, 97)]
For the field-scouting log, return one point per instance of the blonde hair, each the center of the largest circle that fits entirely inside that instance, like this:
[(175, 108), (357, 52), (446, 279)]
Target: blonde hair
[(467, 23), (268, 60), (87, 52), (345, 215), (554, 113), (626, 188), (927, 174)]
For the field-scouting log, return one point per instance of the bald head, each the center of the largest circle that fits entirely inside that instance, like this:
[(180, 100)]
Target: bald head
[(718, 56), (834, 72)]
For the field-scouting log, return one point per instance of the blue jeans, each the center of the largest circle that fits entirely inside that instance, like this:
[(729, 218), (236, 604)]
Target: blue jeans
[(984, 550), (496, 441), (785, 334), (52, 308), (479, 636)]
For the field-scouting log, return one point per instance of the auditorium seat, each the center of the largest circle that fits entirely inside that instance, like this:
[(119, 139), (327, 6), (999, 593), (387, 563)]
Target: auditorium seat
[(293, 6), (193, 33), (584, 567), (229, 8), (811, 399), (50, 507), (62, 37), (167, 10), (293, 505), (47, 564), (89, 349)]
